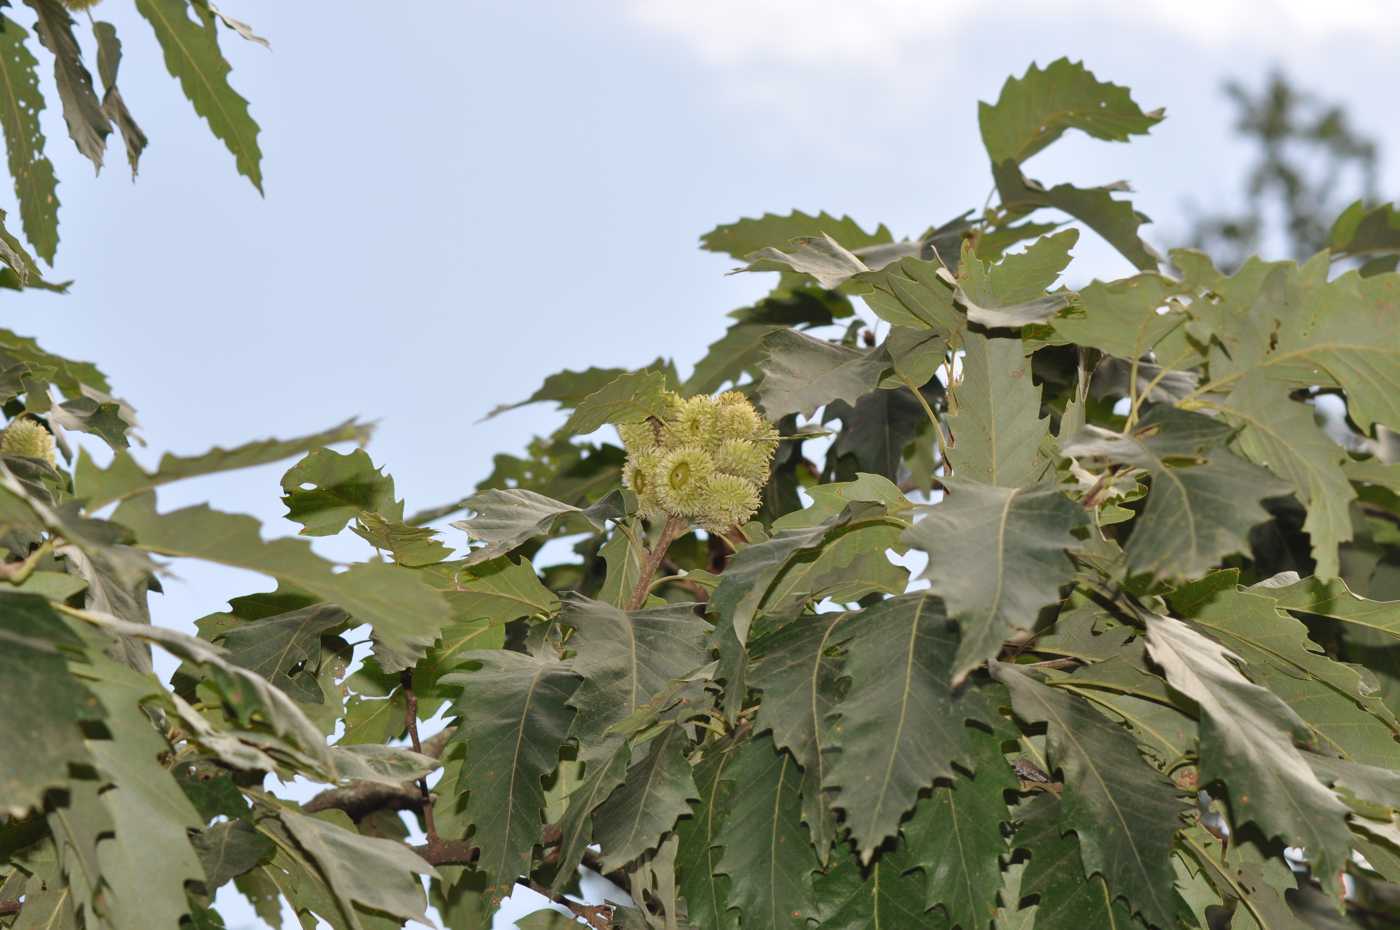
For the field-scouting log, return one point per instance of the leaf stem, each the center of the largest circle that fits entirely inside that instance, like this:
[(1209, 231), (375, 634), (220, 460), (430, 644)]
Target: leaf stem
[(411, 723), (671, 530)]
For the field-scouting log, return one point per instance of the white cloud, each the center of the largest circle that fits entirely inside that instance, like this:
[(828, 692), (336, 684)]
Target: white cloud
[(883, 34)]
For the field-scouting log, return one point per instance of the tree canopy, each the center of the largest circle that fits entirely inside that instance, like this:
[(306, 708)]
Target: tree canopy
[(946, 590)]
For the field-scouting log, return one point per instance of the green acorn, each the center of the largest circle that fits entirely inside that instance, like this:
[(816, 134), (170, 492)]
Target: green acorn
[(639, 474), (683, 480), (744, 459), (729, 501), (638, 438), (77, 6), (694, 421), (30, 439)]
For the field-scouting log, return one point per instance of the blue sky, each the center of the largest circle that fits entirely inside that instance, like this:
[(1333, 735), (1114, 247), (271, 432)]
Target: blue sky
[(465, 197)]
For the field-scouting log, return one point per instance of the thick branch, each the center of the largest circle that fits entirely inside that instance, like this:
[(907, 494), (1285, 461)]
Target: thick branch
[(10, 907), (362, 798)]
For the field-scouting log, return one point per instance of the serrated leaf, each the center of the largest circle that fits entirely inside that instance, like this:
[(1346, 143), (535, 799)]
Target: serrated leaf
[(285, 649), (1203, 500), (1011, 293), (627, 658), (228, 849), (996, 557), (1123, 811), (705, 890), (50, 704), (192, 56), (801, 373), (955, 838), (766, 854), (821, 257), (328, 489), (881, 896), (1366, 231), (405, 612), (913, 293), (1116, 221), (566, 388), (35, 183), (602, 776), (1282, 435), (798, 671), (514, 717), (1121, 317), (1036, 109), (1333, 599), (109, 56), (829, 499), (997, 429), (658, 789), (87, 123), (503, 519), (1247, 742), (629, 398), (900, 724), (743, 237), (1067, 900), (1343, 713), (124, 478), (347, 859)]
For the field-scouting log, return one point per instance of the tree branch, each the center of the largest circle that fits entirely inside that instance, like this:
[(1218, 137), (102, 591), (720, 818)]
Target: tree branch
[(411, 722), (671, 530), (10, 907), (361, 798)]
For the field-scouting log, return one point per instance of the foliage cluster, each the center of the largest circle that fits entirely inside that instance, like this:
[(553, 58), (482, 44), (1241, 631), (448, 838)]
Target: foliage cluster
[(1146, 675)]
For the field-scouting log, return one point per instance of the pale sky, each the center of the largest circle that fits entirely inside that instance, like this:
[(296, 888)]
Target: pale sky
[(463, 198)]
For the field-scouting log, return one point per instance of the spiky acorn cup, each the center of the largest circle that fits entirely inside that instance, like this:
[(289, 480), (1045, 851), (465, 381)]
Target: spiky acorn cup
[(78, 6), (706, 463), (30, 439)]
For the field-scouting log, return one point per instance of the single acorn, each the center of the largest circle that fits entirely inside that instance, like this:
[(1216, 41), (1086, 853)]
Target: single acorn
[(28, 438), (729, 501)]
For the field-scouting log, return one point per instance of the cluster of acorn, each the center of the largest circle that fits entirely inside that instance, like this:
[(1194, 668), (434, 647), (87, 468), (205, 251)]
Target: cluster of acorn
[(706, 461)]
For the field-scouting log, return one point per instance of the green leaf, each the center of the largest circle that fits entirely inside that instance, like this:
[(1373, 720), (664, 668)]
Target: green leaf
[(628, 398), (1247, 742), (148, 810), (1344, 714), (406, 613), (1362, 231), (35, 184), (87, 123), (996, 557), (955, 837), (1011, 293), (1203, 499), (881, 896), (997, 429), (828, 500), (506, 519), (285, 649), (1066, 900), (801, 373), (877, 429), (798, 670), (328, 489), (411, 546), (657, 791), (746, 236), (1035, 110), (705, 889), (913, 293), (124, 478), (566, 388), (602, 776), (377, 873), (624, 556), (228, 849), (109, 56), (626, 659), (1123, 811), (766, 854), (1282, 435), (192, 56), (514, 716), (821, 257), (49, 704), (900, 724), (1121, 317), (1333, 599), (1114, 220)]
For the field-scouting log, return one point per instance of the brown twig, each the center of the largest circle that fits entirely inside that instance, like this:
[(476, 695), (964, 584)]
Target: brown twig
[(411, 722), (10, 907), (671, 530), (598, 916)]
